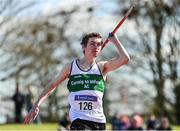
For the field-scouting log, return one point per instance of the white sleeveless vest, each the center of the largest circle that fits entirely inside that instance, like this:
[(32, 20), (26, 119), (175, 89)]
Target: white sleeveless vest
[(86, 92)]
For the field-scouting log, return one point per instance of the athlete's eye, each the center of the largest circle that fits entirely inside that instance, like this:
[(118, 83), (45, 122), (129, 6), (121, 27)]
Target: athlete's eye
[(95, 44), (98, 43)]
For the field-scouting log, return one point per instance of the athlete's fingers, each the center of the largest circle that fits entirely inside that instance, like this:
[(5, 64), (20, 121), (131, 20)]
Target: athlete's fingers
[(28, 118), (32, 115), (112, 37)]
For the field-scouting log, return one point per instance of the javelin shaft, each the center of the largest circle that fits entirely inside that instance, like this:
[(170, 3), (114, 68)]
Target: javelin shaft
[(118, 25)]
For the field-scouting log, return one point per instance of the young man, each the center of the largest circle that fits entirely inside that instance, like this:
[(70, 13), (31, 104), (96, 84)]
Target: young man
[(86, 84)]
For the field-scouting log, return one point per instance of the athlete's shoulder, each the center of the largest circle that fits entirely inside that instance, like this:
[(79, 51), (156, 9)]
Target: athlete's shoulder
[(101, 63), (67, 65)]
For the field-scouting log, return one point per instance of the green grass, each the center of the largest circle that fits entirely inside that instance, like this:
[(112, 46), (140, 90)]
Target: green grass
[(176, 128), (35, 127), (22, 127), (45, 127)]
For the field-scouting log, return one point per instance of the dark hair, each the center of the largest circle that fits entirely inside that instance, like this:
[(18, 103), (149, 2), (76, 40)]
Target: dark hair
[(89, 35)]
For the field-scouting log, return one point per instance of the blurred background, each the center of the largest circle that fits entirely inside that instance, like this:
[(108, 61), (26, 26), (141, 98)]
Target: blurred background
[(37, 37)]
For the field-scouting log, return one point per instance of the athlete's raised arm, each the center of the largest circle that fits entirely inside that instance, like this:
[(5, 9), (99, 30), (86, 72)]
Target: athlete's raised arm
[(121, 59)]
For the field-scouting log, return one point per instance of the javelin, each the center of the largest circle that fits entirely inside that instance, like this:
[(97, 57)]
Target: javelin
[(119, 24)]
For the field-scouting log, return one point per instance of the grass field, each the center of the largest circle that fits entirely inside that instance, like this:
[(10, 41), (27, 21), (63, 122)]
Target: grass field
[(45, 127), (34, 127), (177, 128), (22, 127)]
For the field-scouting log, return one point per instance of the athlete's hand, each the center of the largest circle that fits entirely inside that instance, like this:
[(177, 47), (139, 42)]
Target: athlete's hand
[(31, 115), (113, 38)]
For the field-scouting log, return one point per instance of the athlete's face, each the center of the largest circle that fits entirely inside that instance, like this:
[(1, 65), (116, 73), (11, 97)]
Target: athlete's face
[(93, 46)]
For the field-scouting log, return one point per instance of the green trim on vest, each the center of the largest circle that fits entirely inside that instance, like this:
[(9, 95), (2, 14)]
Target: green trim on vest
[(81, 82)]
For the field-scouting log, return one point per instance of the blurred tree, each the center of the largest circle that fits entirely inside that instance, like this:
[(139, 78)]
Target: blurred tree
[(9, 10), (156, 39), (37, 47)]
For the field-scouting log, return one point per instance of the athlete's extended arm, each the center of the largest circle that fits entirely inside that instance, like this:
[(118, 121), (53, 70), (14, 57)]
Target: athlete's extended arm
[(51, 87), (121, 59)]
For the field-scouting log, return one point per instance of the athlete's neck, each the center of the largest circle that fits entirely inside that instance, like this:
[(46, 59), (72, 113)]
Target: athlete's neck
[(86, 63)]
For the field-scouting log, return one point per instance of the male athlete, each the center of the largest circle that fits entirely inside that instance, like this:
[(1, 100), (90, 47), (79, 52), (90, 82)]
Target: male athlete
[(86, 83)]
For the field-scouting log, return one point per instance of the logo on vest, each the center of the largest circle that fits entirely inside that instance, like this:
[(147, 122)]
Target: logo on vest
[(86, 86)]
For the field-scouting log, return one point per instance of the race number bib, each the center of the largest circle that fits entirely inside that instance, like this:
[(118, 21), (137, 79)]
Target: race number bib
[(85, 102)]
